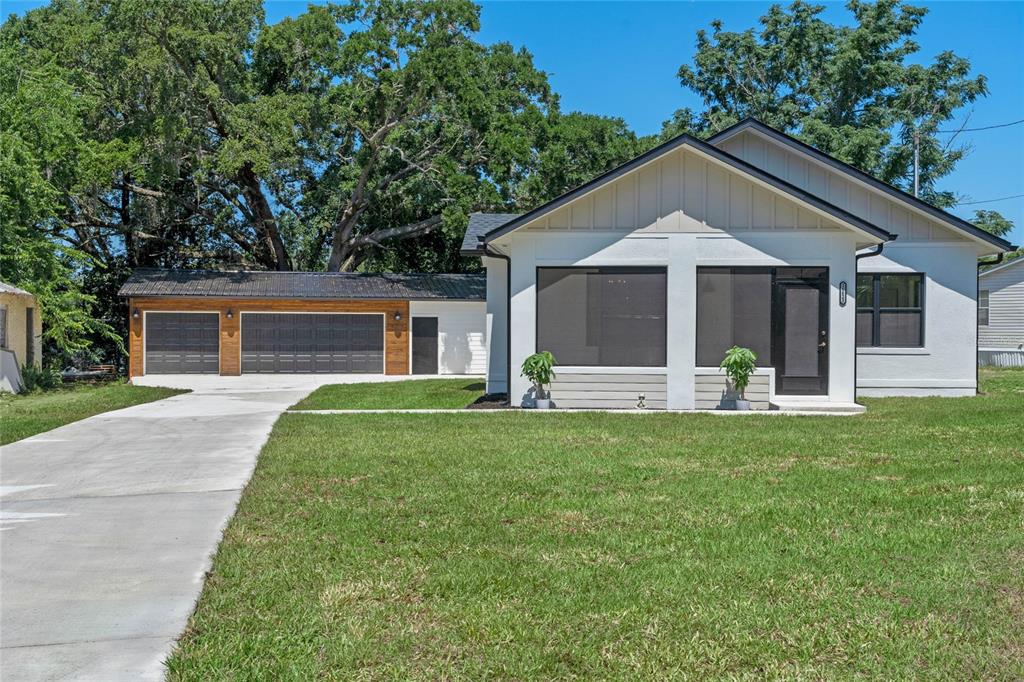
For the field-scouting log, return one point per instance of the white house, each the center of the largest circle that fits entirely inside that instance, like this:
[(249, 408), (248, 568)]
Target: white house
[(639, 280), (1001, 314)]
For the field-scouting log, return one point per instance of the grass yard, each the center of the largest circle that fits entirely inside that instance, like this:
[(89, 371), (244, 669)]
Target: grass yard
[(22, 416), (519, 546), (397, 395)]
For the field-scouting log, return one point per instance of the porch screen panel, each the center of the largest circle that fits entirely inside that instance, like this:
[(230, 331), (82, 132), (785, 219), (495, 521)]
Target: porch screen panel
[(608, 317), (734, 308)]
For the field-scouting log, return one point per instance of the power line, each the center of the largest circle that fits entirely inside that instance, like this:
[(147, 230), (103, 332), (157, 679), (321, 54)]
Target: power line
[(989, 201), (971, 130)]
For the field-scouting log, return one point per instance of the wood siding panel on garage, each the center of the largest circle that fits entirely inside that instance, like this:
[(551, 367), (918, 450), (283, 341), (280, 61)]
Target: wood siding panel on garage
[(396, 332)]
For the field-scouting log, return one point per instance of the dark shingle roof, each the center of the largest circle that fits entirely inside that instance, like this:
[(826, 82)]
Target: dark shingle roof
[(318, 285), (479, 225)]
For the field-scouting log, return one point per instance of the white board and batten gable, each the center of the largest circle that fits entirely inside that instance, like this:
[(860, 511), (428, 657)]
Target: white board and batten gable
[(683, 192)]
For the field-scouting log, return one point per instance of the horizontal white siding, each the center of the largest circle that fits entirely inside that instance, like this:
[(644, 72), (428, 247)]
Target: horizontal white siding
[(608, 391), (710, 388), (1005, 288), (461, 334)]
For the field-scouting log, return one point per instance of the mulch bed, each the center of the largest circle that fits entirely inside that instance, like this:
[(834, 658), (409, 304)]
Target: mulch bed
[(491, 401)]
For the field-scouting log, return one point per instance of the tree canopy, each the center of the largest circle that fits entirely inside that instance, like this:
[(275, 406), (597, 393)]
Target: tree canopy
[(852, 91)]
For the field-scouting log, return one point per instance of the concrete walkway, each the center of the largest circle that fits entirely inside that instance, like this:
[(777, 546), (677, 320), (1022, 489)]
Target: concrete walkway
[(107, 527)]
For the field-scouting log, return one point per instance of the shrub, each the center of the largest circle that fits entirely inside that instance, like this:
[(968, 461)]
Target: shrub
[(35, 378), (739, 364), (539, 368)]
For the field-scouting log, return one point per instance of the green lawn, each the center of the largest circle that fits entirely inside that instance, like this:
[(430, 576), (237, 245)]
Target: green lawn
[(22, 416), (525, 546), (398, 395)]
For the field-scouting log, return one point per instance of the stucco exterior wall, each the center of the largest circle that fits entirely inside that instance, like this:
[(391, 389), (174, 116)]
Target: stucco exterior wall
[(945, 366), (16, 305), (461, 334)]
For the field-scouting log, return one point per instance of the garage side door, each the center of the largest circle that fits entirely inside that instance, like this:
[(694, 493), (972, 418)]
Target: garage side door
[(309, 343), (182, 343)]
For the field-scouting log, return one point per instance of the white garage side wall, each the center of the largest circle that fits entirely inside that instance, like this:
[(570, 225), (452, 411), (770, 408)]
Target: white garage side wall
[(497, 324), (945, 366), (461, 334), (682, 254)]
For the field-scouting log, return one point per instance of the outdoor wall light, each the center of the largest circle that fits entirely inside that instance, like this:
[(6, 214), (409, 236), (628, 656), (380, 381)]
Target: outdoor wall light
[(230, 314), (136, 313), (398, 316), (842, 294)]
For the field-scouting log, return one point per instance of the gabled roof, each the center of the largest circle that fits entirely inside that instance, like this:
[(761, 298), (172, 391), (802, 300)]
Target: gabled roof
[(479, 225), (1002, 266), (6, 288), (842, 167), (707, 149), (304, 285)]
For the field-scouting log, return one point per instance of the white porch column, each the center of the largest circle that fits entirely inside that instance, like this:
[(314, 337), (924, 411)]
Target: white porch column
[(682, 321), (524, 314), (497, 324)]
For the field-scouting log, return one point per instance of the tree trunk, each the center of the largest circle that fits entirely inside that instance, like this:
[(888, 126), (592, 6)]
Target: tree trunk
[(130, 250), (266, 221)]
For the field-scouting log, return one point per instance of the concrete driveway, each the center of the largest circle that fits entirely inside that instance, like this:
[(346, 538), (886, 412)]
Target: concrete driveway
[(107, 525)]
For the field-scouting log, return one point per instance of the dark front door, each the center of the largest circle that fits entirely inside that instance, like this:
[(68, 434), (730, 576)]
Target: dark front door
[(424, 345), (182, 343), (302, 343), (800, 330)]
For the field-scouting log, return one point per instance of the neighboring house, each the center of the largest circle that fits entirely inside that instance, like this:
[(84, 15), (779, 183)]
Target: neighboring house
[(21, 333), (639, 281), (202, 321), (1001, 314)]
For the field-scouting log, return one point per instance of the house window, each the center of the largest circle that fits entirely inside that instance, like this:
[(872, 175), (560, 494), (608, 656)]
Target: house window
[(3, 326), (30, 336), (983, 307), (890, 310), (734, 308), (610, 317)]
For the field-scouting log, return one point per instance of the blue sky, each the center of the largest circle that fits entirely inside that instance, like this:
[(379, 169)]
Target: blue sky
[(620, 59)]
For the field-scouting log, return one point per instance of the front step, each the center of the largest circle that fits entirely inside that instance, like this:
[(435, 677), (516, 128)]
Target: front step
[(804, 405)]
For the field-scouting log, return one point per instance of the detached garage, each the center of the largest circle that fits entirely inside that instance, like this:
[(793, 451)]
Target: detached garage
[(243, 322)]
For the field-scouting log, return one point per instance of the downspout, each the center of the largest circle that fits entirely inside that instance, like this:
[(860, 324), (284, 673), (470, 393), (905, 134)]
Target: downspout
[(508, 318), (856, 259), (977, 326)]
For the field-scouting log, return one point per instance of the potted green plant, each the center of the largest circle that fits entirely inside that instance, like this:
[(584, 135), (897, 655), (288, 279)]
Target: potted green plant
[(539, 369), (739, 364)]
